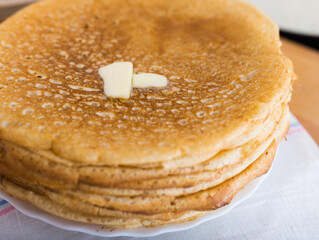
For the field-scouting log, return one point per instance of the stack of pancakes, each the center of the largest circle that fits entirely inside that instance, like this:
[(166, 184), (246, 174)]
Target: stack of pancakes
[(162, 156)]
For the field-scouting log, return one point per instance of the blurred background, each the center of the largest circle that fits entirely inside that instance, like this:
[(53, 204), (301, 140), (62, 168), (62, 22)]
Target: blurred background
[(298, 19)]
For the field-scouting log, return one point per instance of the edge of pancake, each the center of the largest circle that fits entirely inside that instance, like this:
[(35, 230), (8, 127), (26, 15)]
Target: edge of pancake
[(215, 198)]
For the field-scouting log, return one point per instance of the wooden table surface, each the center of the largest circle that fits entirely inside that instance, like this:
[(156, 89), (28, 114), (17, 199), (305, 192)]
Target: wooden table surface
[(305, 97)]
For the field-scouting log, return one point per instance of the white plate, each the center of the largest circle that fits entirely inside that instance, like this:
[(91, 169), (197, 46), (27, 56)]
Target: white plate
[(98, 230)]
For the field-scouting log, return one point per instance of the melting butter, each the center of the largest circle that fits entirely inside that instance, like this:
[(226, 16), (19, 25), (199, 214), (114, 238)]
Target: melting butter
[(149, 80), (117, 79)]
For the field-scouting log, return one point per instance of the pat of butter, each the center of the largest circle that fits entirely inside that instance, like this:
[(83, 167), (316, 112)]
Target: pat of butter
[(149, 80), (117, 79)]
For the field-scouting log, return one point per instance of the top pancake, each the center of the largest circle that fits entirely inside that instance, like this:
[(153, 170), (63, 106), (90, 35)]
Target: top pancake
[(221, 57)]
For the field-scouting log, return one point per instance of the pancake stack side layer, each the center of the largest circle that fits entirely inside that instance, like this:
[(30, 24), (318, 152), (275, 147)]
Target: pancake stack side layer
[(166, 155)]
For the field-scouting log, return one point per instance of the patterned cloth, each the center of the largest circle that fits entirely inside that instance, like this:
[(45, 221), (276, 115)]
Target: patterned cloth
[(286, 206)]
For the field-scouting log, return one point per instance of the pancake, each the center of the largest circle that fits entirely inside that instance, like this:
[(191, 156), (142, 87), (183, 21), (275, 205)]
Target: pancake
[(231, 186), (151, 204), (145, 203), (165, 155), (168, 185), (234, 81), (118, 177)]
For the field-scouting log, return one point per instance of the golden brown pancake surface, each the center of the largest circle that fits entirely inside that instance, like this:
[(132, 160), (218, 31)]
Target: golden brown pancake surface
[(221, 58)]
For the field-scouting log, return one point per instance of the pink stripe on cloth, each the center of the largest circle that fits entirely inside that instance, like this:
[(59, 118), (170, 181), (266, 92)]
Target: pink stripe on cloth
[(7, 210), (301, 129)]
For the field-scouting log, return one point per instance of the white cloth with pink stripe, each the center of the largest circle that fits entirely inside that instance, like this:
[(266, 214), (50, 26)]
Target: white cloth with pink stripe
[(286, 206)]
